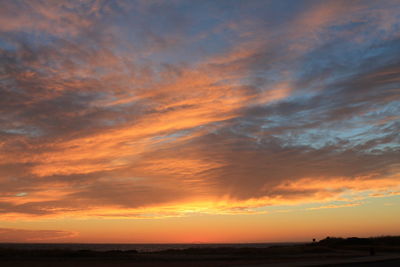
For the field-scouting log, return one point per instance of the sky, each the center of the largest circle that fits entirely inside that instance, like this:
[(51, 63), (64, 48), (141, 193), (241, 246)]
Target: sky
[(198, 121)]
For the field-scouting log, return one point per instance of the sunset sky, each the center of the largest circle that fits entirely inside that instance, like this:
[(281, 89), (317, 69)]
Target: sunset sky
[(199, 121)]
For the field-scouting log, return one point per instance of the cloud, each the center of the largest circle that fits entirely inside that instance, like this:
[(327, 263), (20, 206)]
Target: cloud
[(59, 18), (106, 110), (333, 206), (25, 235)]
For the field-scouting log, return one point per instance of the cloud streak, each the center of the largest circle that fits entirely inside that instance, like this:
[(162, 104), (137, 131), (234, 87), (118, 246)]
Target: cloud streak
[(23, 235)]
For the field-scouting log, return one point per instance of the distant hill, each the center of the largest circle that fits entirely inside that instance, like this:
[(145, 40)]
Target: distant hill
[(356, 241)]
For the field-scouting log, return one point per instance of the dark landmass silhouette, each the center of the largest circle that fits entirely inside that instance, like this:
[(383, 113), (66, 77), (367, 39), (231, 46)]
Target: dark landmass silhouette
[(331, 251)]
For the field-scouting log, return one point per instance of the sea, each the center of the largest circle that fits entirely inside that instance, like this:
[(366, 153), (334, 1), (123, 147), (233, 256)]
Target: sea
[(137, 247)]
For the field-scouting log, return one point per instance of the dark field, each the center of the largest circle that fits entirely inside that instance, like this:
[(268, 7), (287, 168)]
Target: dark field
[(383, 251)]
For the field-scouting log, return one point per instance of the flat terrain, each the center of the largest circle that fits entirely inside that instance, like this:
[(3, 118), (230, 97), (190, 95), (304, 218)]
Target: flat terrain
[(328, 252), (369, 262)]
